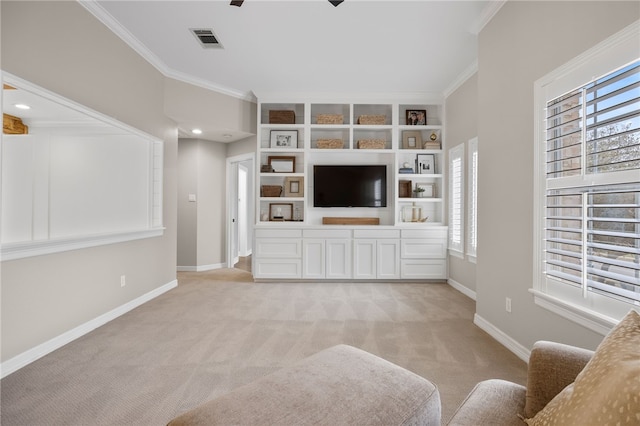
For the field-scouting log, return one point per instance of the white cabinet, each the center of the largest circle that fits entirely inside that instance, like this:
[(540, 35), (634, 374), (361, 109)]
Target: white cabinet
[(423, 253), (329, 257), (376, 254), (277, 254)]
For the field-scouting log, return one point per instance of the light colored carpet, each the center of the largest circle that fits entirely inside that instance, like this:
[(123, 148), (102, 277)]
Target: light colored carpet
[(218, 330)]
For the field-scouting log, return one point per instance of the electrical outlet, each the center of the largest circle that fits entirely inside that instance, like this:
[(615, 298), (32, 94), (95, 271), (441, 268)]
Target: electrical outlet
[(123, 280), (508, 304)]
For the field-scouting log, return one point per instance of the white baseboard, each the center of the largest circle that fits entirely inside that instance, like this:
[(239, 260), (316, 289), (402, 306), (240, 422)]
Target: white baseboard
[(201, 268), (506, 341), (33, 354), (462, 289)]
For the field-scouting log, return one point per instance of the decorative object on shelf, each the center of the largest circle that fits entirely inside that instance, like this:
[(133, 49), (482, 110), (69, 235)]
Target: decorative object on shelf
[(372, 119), (432, 145), (404, 188), (351, 221), (418, 191), (266, 168), (284, 139), (264, 216), (371, 144), (297, 217), (280, 212), (416, 117), (426, 164), (406, 168), (413, 213), (282, 117), (411, 139), (12, 125), (270, 191), (282, 163), (330, 143), (434, 141), (294, 186), (428, 190), (330, 119)]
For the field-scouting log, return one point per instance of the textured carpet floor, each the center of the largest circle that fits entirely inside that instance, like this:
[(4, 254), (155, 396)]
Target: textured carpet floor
[(218, 330)]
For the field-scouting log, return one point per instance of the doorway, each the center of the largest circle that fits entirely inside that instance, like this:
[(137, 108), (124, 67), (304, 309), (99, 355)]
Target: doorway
[(240, 210)]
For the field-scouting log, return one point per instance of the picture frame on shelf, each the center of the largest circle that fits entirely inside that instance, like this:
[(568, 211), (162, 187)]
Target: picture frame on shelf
[(280, 212), (404, 188), (426, 164), (411, 139), (294, 186), (429, 189), (416, 117), (284, 139), (282, 163)]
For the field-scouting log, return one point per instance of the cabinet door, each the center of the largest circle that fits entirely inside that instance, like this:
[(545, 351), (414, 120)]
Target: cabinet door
[(338, 258), (313, 258), (364, 259), (388, 259)]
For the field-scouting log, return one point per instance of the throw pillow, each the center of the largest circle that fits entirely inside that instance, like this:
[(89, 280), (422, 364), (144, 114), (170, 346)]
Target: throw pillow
[(607, 390)]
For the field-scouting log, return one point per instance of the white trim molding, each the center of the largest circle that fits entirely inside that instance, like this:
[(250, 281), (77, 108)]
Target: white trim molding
[(14, 364), (462, 289), (503, 338)]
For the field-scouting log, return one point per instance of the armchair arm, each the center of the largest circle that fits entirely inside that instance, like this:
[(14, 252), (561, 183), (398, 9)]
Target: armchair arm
[(552, 367)]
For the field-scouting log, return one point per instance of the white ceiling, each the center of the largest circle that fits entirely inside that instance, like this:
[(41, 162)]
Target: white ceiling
[(306, 46)]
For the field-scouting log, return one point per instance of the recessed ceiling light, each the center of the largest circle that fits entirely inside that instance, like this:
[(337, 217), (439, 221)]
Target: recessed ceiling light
[(22, 106), (227, 136), (196, 131)]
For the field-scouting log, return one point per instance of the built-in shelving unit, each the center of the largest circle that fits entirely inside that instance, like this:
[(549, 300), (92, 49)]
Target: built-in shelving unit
[(291, 241), (354, 133)]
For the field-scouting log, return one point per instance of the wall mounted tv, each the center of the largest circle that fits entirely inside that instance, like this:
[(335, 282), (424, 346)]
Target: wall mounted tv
[(350, 186)]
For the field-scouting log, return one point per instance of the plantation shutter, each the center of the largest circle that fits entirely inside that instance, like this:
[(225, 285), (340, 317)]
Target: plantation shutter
[(592, 223), (472, 239), (456, 185)]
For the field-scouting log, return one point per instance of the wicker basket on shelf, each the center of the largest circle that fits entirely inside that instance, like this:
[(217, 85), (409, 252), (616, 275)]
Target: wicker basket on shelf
[(372, 144), (282, 117), (372, 119), (330, 119), (270, 191), (330, 143)]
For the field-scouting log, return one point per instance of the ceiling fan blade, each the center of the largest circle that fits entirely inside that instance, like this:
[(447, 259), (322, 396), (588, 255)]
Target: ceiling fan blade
[(335, 3), (236, 2)]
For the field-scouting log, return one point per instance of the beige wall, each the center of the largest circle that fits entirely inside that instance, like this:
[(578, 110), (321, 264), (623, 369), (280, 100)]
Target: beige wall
[(461, 112), (212, 162), (61, 47), (187, 210), (244, 146), (522, 43)]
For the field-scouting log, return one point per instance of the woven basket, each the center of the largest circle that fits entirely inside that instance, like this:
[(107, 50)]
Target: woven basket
[(371, 144), (270, 190), (330, 143), (372, 119), (282, 117), (330, 119)]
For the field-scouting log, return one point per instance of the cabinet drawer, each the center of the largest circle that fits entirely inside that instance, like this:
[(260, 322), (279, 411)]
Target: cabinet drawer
[(278, 233), (376, 233), (425, 233), (278, 248), (427, 248), (423, 269), (277, 268), (326, 233)]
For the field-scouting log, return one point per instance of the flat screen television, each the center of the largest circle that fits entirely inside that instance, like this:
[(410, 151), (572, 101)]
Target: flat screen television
[(350, 186)]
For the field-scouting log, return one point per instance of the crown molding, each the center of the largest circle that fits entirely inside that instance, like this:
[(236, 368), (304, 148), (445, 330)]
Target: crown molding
[(486, 15), (460, 80), (101, 14)]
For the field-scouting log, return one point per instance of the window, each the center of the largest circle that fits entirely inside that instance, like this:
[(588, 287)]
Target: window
[(588, 192), (472, 212), (456, 200)]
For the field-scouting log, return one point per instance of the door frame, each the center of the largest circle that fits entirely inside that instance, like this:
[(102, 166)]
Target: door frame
[(232, 197)]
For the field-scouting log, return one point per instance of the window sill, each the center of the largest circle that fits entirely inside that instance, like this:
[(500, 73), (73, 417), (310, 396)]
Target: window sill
[(592, 320), (456, 253), (22, 250)]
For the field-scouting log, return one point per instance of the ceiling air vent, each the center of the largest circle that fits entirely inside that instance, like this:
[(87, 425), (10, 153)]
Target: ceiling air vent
[(206, 36)]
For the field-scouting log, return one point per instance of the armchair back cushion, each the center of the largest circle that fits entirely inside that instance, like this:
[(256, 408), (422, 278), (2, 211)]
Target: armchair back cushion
[(606, 391)]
